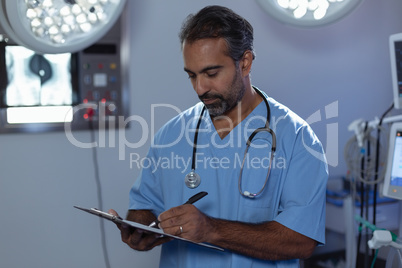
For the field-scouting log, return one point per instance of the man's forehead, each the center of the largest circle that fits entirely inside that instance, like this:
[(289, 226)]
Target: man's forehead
[(204, 53)]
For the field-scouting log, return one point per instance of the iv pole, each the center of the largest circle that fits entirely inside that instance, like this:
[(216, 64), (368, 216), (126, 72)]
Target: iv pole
[(358, 127)]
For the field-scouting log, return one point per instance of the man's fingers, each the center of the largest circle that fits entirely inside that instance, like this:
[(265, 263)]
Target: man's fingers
[(136, 238), (174, 230), (172, 213), (176, 216), (146, 241), (114, 213)]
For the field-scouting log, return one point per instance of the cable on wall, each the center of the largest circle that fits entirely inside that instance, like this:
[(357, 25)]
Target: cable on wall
[(99, 195)]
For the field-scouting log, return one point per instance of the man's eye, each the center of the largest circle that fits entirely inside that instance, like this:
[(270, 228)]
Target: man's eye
[(191, 75), (212, 74)]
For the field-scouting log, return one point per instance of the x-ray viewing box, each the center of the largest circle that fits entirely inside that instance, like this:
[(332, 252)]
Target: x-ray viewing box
[(43, 92)]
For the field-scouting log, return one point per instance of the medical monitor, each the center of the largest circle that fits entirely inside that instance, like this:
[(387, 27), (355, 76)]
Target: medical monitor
[(393, 173), (395, 46)]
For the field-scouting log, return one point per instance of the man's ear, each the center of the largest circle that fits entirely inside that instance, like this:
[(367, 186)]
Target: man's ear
[(246, 62)]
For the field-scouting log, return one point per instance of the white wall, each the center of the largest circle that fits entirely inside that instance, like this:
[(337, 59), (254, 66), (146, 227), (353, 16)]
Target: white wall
[(43, 175)]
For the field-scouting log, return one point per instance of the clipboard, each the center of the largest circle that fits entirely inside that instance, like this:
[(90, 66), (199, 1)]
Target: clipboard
[(143, 227)]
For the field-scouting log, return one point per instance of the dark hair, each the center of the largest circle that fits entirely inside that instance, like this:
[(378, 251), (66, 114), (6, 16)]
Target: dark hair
[(220, 22)]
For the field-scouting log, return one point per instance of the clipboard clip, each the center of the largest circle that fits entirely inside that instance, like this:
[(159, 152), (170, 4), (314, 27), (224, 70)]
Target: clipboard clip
[(100, 213)]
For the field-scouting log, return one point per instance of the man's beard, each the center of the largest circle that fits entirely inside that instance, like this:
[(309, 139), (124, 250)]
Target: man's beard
[(223, 104)]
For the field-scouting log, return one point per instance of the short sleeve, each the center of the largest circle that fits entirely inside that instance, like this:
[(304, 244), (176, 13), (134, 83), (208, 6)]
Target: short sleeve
[(302, 205)]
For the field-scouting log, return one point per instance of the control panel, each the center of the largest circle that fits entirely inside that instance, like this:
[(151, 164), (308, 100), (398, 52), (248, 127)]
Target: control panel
[(100, 82)]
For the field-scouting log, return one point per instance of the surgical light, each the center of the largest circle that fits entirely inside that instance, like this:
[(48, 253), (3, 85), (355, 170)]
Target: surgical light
[(58, 26), (308, 13)]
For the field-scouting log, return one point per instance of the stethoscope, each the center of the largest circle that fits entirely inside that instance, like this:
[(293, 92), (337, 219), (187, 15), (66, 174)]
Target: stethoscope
[(193, 180)]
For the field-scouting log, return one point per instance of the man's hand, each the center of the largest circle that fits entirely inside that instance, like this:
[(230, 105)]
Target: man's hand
[(186, 221), (138, 239), (283, 244)]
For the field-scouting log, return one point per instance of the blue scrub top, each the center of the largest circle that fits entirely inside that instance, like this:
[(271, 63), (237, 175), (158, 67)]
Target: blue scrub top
[(294, 195)]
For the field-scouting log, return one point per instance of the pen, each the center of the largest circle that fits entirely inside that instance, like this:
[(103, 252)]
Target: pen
[(191, 200)]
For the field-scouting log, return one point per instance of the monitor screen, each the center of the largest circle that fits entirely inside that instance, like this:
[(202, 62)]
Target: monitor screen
[(33, 82), (393, 174), (395, 45)]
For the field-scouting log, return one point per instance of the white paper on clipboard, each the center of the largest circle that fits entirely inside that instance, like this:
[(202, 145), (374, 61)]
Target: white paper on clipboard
[(115, 219)]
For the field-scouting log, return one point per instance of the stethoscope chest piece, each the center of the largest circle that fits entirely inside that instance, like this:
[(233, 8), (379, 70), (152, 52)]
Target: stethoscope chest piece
[(192, 180)]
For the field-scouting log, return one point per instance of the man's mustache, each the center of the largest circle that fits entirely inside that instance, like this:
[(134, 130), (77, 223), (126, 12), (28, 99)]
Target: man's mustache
[(208, 95)]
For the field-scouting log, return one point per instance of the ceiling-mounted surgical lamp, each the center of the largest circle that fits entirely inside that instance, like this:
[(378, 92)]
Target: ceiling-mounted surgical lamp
[(58, 26), (308, 13)]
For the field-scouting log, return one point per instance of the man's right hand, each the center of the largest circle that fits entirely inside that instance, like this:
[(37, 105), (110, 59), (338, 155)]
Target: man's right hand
[(138, 239)]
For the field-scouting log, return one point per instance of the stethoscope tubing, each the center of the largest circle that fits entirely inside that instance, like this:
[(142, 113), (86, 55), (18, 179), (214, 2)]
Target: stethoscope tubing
[(249, 140)]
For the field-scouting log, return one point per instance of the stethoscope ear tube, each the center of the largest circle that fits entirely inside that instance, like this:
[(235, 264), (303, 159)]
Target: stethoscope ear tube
[(262, 129), (196, 139)]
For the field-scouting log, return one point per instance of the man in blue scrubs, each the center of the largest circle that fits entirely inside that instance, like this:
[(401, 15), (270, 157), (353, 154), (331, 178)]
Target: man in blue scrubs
[(260, 221)]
